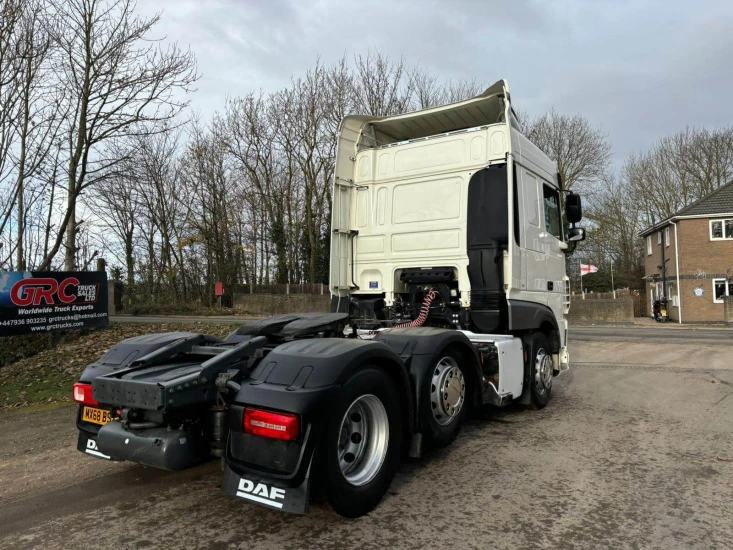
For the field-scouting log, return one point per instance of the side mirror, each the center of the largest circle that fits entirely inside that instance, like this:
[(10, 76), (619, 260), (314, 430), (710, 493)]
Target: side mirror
[(573, 208), (576, 234)]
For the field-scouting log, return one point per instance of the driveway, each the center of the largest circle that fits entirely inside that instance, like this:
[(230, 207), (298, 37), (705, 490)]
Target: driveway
[(634, 451)]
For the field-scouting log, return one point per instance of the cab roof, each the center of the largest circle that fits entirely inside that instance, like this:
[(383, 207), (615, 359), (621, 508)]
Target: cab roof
[(481, 110)]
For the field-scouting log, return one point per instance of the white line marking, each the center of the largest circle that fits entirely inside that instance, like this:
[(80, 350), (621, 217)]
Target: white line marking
[(260, 500), (97, 453)]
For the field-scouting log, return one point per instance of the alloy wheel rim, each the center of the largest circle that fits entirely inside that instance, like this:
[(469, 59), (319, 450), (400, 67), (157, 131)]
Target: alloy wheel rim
[(363, 440), (543, 371), (447, 391)]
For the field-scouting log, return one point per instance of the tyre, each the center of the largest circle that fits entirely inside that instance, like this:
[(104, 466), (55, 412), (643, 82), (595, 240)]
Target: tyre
[(361, 448), (539, 358), (443, 402)]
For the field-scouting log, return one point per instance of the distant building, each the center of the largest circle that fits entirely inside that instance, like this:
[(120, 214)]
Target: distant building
[(697, 245)]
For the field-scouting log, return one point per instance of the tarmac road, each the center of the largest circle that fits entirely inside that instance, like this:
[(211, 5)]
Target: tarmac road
[(655, 333), (634, 451)]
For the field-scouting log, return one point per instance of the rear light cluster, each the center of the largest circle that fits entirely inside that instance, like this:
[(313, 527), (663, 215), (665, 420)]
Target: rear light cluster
[(281, 426), (83, 394)]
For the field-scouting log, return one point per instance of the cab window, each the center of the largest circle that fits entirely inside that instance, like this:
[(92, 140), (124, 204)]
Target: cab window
[(552, 211)]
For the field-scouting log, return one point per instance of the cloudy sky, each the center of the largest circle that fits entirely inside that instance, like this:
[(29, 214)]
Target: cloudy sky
[(639, 69)]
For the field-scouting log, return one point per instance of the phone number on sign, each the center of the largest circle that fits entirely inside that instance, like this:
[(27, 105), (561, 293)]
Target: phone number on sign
[(18, 322)]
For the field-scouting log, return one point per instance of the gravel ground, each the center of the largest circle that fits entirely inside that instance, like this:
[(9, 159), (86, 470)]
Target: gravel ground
[(634, 451)]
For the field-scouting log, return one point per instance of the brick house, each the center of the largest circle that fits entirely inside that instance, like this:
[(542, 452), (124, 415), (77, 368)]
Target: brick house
[(696, 245)]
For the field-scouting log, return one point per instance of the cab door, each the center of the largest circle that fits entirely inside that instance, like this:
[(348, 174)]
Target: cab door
[(533, 261), (552, 241)]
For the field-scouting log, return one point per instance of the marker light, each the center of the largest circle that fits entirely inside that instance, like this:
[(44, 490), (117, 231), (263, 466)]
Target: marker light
[(269, 424), (83, 394)]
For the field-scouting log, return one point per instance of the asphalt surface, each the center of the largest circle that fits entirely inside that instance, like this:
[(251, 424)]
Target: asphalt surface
[(671, 334), (634, 451)]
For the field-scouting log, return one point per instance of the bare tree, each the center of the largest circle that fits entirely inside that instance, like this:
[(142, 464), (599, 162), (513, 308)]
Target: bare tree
[(679, 169), (307, 143), (157, 177), (249, 133), (381, 86), (117, 81), (208, 183), (582, 152), (39, 106), (615, 218), (11, 15), (116, 198), (429, 91)]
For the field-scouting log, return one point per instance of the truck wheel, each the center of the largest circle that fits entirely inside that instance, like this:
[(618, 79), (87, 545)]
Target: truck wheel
[(362, 443), (540, 371), (444, 400)]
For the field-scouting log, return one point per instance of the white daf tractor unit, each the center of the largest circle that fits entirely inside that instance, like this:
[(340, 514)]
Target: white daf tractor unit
[(450, 231), (455, 200)]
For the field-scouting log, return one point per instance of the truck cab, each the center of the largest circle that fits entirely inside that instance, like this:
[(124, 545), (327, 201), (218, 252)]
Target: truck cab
[(454, 199)]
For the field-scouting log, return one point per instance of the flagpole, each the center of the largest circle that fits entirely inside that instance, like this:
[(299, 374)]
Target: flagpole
[(613, 289), (582, 290)]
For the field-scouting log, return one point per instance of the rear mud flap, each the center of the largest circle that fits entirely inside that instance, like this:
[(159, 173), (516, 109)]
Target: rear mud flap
[(87, 444), (267, 492)]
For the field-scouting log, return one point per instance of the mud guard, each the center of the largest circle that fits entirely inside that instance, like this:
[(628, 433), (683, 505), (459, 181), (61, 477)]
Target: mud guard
[(304, 368), (418, 347), (302, 377), (268, 492)]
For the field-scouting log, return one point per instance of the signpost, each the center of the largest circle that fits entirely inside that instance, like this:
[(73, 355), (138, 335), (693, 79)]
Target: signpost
[(219, 291), (34, 302)]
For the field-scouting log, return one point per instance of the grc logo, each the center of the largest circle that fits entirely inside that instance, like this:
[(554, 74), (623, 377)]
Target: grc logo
[(31, 292)]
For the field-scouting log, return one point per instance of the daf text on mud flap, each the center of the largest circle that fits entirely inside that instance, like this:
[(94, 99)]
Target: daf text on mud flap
[(92, 449), (259, 493)]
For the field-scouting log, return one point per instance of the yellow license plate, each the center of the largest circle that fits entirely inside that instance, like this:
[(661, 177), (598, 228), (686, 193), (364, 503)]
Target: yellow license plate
[(95, 416)]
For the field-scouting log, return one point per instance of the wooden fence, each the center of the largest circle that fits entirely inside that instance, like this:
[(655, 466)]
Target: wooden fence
[(641, 305), (291, 288)]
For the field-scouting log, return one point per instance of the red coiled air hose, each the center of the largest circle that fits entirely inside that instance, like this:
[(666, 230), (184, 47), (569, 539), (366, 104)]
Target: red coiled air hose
[(424, 311)]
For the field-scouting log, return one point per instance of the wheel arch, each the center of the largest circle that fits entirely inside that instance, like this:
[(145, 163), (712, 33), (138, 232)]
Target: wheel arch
[(531, 316), (304, 366), (552, 332), (398, 374), (421, 347)]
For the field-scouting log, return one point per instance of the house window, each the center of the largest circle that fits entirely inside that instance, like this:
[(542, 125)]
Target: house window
[(666, 236), (721, 288), (721, 230), (659, 237), (649, 245)]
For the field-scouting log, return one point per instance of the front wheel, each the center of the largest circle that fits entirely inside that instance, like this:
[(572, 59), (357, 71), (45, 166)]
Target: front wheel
[(362, 444), (540, 369)]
